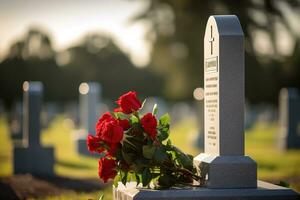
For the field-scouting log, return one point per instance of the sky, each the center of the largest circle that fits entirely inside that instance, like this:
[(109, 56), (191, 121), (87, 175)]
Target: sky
[(67, 21)]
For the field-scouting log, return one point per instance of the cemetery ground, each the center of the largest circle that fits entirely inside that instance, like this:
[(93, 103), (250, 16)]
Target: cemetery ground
[(76, 176)]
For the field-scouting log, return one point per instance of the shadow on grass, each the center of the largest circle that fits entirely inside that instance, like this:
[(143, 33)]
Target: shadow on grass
[(73, 165), (79, 185), (267, 166), (24, 186)]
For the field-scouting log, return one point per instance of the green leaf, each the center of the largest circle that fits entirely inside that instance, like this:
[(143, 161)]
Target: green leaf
[(118, 154), (163, 127), (139, 163), (166, 180), (155, 109), (129, 157), (163, 133), (130, 177), (101, 197), (121, 115), (124, 177), (128, 143), (117, 179), (169, 143), (138, 179), (165, 119), (183, 159), (134, 119), (148, 151), (146, 177), (160, 155)]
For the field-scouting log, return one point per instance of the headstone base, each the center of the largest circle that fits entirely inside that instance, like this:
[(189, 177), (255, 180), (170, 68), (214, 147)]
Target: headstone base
[(228, 171), (264, 191), (34, 160), (82, 149)]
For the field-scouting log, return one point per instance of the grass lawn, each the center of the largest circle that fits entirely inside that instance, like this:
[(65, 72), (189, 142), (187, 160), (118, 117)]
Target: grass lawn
[(272, 164)]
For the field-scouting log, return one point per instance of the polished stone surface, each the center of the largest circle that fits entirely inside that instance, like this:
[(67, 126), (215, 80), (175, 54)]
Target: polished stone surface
[(264, 191)]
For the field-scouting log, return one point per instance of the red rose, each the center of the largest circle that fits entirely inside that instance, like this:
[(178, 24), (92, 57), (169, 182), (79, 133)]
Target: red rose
[(112, 149), (128, 103), (112, 132), (94, 144), (104, 118), (124, 123), (149, 124), (106, 169), (109, 129)]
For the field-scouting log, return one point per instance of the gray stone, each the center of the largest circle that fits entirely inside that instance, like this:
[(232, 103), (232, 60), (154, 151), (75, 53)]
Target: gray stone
[(89, 113), (289, 119), (264, 191), (226, 165), (30, 156)]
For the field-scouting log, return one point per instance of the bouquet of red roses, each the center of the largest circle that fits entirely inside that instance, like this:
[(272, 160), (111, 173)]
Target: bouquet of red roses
[(135, 147)]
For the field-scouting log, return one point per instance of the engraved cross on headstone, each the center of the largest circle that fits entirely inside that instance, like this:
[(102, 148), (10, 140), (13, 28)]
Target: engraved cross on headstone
[(211, 40)]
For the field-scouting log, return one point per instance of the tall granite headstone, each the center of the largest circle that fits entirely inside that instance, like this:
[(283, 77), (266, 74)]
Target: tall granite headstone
[(88, 112), (228, 167), (231, 174), (289, 119), (31, 157)]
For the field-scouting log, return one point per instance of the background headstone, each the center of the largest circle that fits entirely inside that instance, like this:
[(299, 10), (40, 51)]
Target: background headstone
[(31, 157), (289, 119), (199, 108), (224, 159), (49, 112), (16, 118), (89, 113)]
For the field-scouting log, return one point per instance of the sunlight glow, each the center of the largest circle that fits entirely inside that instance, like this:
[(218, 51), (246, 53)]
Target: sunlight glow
[(84, 88), (69, 21)]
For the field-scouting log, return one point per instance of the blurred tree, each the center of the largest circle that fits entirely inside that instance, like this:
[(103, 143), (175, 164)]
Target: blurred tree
[(96, 58), (177, 31), (29, 59)]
